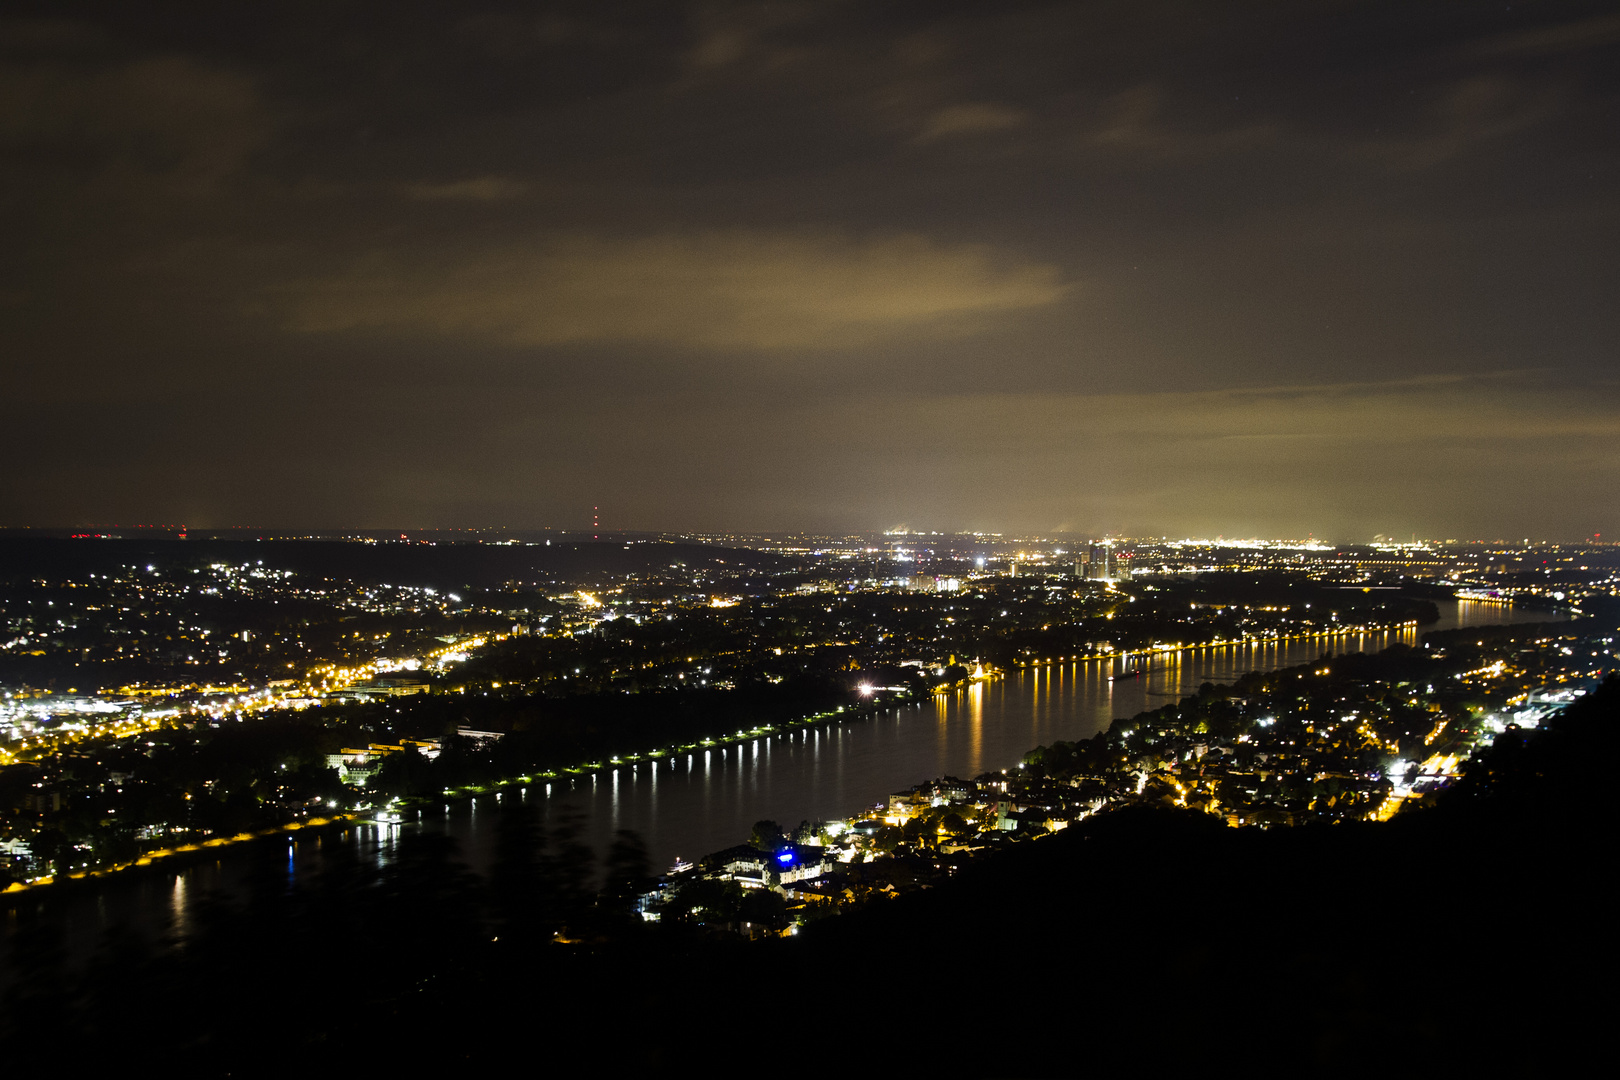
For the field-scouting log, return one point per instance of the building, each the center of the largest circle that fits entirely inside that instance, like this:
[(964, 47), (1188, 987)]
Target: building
[(357, 766)]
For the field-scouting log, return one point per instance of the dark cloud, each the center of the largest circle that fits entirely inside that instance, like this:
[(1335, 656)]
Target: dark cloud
[(731, 291), (747, 264)]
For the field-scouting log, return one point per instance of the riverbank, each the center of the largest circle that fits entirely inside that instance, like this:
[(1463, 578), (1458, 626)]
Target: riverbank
[(1147, 652), (818, 768), (1327, 742), (413, 808)]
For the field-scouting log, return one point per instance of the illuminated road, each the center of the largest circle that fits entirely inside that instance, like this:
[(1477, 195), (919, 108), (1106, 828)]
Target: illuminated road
[(689, 806)]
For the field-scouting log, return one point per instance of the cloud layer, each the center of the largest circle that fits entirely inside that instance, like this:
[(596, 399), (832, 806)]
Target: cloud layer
[(733, 264), (727, 290)]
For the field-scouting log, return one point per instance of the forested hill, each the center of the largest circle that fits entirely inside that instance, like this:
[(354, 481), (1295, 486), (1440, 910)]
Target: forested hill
[(1466, 935), (1473, 936)]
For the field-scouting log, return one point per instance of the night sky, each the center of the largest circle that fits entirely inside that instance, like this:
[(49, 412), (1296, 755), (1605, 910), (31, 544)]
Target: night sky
[(1152, 268)]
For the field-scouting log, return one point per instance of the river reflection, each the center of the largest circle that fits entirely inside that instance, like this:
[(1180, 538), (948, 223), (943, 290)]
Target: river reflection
[(690, 806), (703, 801)]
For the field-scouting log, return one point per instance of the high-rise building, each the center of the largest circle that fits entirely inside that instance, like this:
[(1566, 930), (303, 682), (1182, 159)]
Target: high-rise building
[(1100, 561)]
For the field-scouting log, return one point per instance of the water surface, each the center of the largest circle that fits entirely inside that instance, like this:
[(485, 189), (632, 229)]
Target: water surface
[(708, 800)]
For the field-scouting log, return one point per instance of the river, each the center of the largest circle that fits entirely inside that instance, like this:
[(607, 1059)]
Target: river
[(689, 806)]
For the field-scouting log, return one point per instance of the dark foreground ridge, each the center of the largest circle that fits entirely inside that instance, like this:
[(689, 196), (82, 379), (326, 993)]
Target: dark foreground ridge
[(1469, 935)]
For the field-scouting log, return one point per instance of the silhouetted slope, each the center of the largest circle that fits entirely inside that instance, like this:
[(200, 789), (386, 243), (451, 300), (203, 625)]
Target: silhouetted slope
[(1473, 936)]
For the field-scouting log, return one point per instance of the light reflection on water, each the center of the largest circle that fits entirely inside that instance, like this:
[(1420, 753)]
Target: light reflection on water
[(691, 805), (700, 803), (179, 907)]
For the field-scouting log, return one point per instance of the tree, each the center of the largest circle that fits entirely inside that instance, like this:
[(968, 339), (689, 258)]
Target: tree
[(51, 849), (403, 773), (767, 836), (628, 871), (711, 900), (764, 907)]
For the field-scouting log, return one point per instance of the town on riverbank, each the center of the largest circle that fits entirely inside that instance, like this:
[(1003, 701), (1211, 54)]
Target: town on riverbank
[(1090, 893), (168, 696), (1346, 739), (653, 655)]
